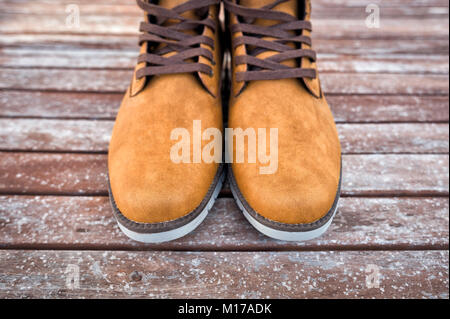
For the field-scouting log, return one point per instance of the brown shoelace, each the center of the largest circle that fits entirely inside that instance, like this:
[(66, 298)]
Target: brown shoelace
[(164, 38), (289, 30)]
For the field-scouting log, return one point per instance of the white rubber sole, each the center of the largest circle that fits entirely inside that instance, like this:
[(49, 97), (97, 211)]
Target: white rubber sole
[(155, 238), (284, 235)]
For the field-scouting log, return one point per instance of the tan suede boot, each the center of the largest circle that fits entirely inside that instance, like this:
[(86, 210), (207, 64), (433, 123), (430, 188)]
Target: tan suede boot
[(276, 86), (176, 84)]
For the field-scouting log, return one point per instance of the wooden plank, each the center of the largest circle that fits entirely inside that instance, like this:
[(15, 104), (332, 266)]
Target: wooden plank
[(320, 10), (318, 3), (38, 274), (382, 3), (91, 41), (384, 84), (364, 175), (347, 109), (59, 105), (63, 58), (66, 80), (43, 8), (381, 47), (55, 135), (87, 223), (119, 59), (30, 24), (403, 12), (128, 7), (331, 46), (116, 81), (394, 138), (399, 64), (395, 174), (323, 28), (389, 108), (94, 136), (53, 173)]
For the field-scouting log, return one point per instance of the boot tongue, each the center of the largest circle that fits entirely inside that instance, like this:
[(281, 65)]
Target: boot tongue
[(170, 4), (289, 7)]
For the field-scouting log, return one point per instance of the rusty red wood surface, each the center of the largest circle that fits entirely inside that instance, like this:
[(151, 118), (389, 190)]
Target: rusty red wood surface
[(388, 89), (87, 223), (184, 275), (94, 136)]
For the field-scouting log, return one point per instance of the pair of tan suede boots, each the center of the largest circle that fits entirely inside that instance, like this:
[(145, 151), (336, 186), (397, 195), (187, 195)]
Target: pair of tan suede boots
[(283, 155)]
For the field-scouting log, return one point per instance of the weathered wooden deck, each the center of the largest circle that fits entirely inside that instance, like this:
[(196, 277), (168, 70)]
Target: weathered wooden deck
[(60, 89)]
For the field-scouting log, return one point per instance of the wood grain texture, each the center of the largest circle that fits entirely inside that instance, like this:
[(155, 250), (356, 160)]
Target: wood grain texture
[(48, 222), (396, 64), (59, 105), (382, 3), (184, 275), (388, 89), (385, 84), (435, 28), (56, 135), (53, 173), (346, 109), (94, 136), (58, 8), (120, 59), (62, 58), (78, 174), (388, 109), (129, 43), (396, 174), (117, 81), (321, 10), (318, 3), (394, 138)]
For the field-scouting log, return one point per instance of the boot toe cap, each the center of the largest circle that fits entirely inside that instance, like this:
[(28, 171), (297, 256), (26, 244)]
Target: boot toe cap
[(290, 202)]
